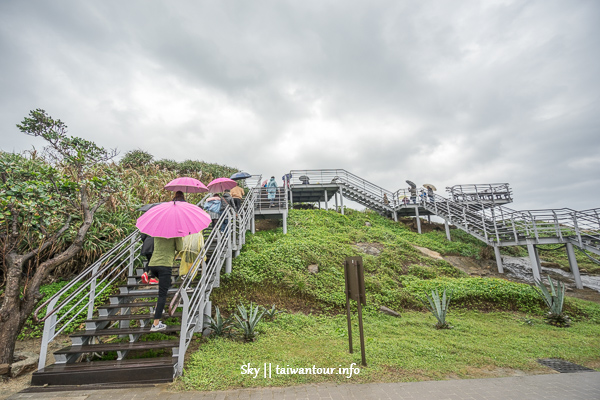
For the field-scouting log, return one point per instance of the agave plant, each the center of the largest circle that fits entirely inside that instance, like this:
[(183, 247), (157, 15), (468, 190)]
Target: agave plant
[(270, 313), (220, 326), (554, 299), (438, 307), (247, 320)]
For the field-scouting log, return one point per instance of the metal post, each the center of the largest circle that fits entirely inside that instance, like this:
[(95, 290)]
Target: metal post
[(285, 222), (291, 199), (229, 251), (131, 255), (90, 312), (574, 266), (335, 195), (253, 223), (185, 303), (418, 218), (326, 201), (49, 329), (498, 258), (535, 261), (342, 199), (447, 230), (395, 216), (577, 231)]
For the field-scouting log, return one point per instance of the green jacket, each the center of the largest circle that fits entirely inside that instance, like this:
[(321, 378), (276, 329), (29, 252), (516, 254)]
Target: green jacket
[(165, 251)]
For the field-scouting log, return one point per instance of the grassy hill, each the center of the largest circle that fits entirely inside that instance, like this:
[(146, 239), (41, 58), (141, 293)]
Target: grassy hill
[(498, 329)]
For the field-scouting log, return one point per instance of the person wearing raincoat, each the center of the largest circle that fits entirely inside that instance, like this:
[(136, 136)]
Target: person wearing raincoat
[(271, 190)]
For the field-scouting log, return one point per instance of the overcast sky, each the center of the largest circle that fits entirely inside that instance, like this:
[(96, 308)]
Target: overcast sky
[(442, 92)]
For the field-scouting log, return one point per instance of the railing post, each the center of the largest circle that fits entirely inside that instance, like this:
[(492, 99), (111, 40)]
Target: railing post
[(558, 230), (131, 255), (326, 202), (183, 333), (577, 231), (92, 301), (447, 230), (49, 329), (229, 251), (342, 198)]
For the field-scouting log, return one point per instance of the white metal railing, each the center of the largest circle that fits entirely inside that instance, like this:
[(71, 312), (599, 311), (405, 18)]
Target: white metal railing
[(369, 192), (193, 295), (78, 297)]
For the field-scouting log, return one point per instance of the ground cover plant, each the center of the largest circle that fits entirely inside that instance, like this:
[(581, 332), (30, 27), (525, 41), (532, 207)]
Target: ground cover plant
[(397, 349), (498, 325)]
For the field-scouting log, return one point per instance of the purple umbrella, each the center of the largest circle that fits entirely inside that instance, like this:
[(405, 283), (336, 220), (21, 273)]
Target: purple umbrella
[(186, 185), (221, 184), (173, 219)]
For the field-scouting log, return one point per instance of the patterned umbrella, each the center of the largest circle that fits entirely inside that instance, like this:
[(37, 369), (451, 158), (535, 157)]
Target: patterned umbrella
[(429, 186)]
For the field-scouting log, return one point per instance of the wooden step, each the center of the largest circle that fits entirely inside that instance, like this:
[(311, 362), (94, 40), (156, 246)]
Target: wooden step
[(129, 317), (129, 305), (129, 346), (136, 371), (122, 331)]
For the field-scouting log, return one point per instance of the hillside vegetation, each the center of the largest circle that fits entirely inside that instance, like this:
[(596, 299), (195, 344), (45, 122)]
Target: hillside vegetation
[(273, 267), (498, 328)]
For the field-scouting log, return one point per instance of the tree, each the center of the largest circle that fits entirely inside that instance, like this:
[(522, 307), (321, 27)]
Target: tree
[(43, 200)]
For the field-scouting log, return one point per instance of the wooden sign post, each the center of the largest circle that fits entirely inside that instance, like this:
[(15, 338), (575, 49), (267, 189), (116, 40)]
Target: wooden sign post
[(355, 290)]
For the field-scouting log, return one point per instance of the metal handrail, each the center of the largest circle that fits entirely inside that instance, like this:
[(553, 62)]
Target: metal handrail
[(110, 267), (192, 296), (343, 177)]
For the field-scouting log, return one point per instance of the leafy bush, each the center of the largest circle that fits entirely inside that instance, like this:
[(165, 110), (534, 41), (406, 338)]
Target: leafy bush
[(136, 159)]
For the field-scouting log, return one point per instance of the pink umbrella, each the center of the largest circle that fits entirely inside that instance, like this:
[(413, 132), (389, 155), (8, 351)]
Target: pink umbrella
[(221, 184), (186, 185), (173, 219)]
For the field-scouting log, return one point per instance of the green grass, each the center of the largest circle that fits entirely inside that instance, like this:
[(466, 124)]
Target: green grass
[(397, 349)]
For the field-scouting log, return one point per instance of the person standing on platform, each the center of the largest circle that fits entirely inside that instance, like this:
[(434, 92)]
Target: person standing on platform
[(271, 190)]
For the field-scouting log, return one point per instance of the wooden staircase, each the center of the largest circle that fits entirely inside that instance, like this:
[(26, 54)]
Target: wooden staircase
[(121, 333)]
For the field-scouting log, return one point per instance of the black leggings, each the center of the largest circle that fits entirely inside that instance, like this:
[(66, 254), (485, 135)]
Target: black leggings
[(164, 283)]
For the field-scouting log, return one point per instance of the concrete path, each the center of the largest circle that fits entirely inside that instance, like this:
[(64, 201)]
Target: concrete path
[(572, 386)]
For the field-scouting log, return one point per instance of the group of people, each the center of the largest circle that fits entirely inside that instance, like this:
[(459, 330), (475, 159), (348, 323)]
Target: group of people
[(423, 195), (160, 253)]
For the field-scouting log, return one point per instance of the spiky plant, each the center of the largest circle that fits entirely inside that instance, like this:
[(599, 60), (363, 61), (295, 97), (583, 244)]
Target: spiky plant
[(270, 313), (247, 320), (554, 299), (220, 326), (438, 307)]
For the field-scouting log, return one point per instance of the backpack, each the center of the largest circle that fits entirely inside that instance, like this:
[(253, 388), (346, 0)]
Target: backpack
[(213, 206)]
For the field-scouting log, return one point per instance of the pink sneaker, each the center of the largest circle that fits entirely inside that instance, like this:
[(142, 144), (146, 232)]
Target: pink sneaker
[(145, 278), (153, 281)]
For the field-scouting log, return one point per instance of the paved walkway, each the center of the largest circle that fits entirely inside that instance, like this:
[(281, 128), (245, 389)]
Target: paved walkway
[(572, 386)]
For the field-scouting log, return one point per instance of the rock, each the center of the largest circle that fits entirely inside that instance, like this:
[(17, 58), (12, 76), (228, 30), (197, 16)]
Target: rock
[(313, 268), (367, 223), (4, 369), (430, 253), (373, 249), (388, 311), (28, 364)]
